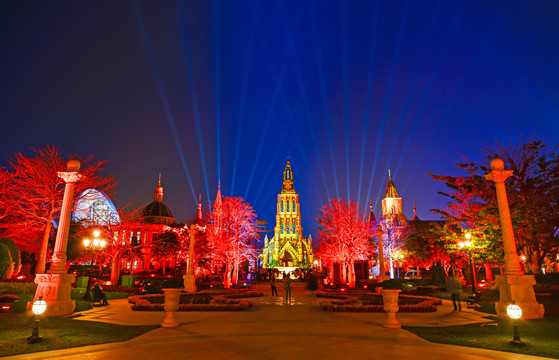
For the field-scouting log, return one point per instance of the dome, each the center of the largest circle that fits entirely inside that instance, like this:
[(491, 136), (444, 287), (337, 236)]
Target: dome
[(95, 207), (158, 213)]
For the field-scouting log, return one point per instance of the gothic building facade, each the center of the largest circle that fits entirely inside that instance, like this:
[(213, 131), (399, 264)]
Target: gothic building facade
[(288, 247)]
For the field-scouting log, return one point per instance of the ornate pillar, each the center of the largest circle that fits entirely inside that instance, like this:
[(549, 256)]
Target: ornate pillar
[(381, 276), (513, 285), (56, 286), (189, 278)]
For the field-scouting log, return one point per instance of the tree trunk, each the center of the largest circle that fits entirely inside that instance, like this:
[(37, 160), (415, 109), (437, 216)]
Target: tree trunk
[(235, 272), (391, 268), (488, 272), (352, 274), (343, 268), (331, 275), (41, 263), (535, 264), (226, 276), (115, 268)]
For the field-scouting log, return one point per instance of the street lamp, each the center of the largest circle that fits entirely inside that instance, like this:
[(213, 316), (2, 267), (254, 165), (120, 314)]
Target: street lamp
[(468, 245), (95, 244), (38, 308), (515, 312), (399, 257)]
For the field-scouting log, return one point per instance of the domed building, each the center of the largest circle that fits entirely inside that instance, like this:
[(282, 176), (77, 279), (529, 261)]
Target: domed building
[(155, 218)]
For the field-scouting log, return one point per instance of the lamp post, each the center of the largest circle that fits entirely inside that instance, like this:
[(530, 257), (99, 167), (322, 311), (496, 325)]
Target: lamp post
[(38, 309), (95, 244), (468, 245), (515, 312)]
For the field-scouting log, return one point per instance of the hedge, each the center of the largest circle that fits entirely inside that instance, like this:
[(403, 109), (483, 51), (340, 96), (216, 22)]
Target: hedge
[(14, 252), (6, 263), (224, 302), (425, 304)]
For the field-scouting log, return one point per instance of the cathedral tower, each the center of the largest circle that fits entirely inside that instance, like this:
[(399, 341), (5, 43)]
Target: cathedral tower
[(288, 247), (392, 202)]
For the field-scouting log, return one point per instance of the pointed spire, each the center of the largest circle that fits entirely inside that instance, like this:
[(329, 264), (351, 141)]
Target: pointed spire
[(391, 188), (287, 186), (159, 191), (415, 217), (199, 214), (371, 213), (218, 196)]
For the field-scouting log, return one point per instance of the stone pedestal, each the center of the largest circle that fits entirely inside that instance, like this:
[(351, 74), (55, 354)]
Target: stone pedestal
[(518, 288), (56, 291), (189, 283)]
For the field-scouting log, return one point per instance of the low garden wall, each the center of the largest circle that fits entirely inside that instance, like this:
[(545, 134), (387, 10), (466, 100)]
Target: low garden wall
[(196, 302), (373, 303)]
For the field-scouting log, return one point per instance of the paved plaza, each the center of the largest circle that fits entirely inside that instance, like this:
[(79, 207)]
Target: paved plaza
[(272, 329)]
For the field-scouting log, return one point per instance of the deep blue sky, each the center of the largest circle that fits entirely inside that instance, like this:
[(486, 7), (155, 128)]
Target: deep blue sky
[(227, 89)]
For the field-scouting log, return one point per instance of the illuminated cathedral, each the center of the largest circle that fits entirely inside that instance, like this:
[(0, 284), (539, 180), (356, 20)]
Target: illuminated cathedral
[(288, 247)]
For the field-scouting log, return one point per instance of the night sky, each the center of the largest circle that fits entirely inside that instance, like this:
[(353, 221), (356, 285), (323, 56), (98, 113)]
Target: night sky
[(203, 90)]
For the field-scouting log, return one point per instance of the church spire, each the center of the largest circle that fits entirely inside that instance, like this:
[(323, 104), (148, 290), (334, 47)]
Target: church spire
[(199, 214), (391, 192), (415, 217), (287, 186), (371, 213), (159, 191)]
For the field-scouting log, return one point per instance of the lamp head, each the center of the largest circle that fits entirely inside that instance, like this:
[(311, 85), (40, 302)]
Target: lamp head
[(102, 244), (514, 311), (468, 236), (86, 242), (96, 233), (95, 242), (39, 306)]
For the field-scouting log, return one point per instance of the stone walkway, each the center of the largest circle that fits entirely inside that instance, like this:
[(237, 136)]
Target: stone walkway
[(272, 329)]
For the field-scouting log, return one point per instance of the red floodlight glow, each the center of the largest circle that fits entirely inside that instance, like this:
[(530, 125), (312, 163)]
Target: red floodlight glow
[(5, 307)]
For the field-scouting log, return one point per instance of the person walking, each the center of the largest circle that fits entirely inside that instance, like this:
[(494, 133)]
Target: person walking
[(288, 289), (454, 287), (313, 285), (273, 284)]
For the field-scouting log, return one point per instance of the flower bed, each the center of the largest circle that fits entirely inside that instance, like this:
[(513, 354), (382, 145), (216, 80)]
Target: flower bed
[(223, 302), (8, 298), (405, 303)]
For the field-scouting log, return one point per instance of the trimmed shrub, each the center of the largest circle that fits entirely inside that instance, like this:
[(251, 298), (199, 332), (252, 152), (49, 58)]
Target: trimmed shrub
[(14, 252), (6, 263)]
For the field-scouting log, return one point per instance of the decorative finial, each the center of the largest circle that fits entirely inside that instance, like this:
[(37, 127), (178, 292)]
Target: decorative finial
[(159, 183), (414, 212), (200, 199), (389, 176)]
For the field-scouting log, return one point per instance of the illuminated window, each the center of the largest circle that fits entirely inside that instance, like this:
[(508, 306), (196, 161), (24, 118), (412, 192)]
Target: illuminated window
[(282, 229), (293, 228), (282, 206), (288, 207), (293, 206), (287, 174)]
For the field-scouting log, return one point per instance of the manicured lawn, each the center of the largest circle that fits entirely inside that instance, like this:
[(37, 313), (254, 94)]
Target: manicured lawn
[(540, 335), (59, 333)]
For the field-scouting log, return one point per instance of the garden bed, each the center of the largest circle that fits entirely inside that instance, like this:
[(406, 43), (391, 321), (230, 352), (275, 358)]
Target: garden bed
[(373, 303), (229, 301)]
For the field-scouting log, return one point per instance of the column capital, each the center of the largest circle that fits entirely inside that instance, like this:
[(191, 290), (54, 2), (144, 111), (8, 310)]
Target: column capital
[(498, 176), (70, 177)]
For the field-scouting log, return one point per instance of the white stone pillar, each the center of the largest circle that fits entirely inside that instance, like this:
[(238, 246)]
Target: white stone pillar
[(381, 276), (56, 286), (513, 285)]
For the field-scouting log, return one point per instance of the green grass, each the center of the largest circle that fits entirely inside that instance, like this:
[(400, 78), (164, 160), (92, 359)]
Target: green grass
[(539, 335), (59, 333)]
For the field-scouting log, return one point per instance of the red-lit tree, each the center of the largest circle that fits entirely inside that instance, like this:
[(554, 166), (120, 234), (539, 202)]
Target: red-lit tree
[(533, 195), (344, 235), (231, 229), (35, 196)]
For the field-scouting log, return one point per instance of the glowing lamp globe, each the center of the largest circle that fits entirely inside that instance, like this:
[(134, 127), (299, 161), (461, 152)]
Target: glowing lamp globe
[(96, 233), (39, 306), (514, 311), (468, 236), (95, 242), (103, 243), (86, 242)]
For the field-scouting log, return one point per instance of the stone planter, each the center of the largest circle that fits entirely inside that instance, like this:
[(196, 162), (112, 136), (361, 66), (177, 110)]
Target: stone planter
[(390, 299), (172, 297)]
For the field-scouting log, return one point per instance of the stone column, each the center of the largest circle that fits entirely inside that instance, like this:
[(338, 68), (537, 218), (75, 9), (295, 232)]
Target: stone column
[(189, 278), (513, 285), (381, 276), (56, 286)]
